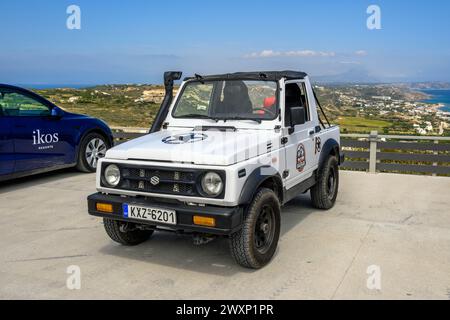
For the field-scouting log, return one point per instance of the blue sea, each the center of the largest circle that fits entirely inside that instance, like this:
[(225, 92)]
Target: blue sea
[(439, 96)]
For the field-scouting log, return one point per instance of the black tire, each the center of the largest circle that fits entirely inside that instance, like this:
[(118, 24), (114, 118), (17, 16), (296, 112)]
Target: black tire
[(325, 191), (84, 163), (254, 245), (131, 237)]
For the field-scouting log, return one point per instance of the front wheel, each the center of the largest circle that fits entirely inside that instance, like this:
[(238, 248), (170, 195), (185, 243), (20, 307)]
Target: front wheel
[(92, 148), (125, 233), (254, 245), (324, 192)]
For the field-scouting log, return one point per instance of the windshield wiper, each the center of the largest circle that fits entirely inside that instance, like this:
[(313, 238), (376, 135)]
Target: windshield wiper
[(240, 118), (194, 115), (203, 116)]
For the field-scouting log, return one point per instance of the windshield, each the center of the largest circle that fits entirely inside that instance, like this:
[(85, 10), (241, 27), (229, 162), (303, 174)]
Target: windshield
[(228, 100)]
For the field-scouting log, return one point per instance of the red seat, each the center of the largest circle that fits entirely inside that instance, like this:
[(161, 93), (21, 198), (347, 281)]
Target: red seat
[(269, 101)]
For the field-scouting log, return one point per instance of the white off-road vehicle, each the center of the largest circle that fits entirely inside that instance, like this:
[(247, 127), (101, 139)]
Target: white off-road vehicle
[(221, 159)]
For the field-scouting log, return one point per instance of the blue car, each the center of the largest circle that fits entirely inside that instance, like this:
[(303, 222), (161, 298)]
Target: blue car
[(37, 136)]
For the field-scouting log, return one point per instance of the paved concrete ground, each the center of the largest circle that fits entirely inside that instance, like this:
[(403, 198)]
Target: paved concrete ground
[(397, 222)]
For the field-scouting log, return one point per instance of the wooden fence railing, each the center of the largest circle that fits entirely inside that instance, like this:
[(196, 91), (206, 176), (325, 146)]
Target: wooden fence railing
[(380, 153), (403, 154)]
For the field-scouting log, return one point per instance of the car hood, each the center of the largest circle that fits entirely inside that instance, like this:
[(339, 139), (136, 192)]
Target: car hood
[(210, 147)]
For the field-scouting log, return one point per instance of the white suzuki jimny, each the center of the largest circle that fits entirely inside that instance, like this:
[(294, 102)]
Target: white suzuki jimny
[(221, 159)]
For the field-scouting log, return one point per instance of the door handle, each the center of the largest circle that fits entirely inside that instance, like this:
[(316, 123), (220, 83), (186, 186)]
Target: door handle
[(311, 132)]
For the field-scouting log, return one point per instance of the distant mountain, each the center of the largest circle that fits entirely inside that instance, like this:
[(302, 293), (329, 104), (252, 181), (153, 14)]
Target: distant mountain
[(356, 75), (429, 85)]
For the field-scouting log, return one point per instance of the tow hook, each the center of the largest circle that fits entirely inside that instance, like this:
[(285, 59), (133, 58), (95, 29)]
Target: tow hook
[(125, 227), (200, 239)]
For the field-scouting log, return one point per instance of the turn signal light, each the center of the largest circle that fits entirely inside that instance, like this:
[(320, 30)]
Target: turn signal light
[(104, 207), (204, 221)]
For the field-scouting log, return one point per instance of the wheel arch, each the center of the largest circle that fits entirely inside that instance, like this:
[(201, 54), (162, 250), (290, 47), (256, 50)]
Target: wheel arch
[(97, 130), (265, 176), (330, 147)]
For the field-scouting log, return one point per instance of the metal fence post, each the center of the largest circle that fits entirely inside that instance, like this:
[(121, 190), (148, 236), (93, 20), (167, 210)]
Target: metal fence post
[(435, 163), (373, 138)]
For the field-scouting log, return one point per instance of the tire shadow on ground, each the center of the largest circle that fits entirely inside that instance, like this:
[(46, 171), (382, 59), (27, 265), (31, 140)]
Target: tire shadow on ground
[(38, 179)]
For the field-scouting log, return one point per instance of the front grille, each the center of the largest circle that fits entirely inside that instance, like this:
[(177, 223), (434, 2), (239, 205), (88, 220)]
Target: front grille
[(163, 180), (138, 173), (157, 180)]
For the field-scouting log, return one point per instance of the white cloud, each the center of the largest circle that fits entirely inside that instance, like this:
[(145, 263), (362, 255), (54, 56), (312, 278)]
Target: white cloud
[(350, 62), (310, 53), (264, 54), (361, 53), (268, 53), (298, 53)]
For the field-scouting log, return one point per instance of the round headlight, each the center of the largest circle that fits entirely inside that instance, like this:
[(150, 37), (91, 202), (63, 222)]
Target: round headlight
[(112, 175), (212, 184)]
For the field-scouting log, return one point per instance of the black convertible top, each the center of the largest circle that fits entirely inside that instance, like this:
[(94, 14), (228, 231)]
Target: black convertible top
[(257, 75)]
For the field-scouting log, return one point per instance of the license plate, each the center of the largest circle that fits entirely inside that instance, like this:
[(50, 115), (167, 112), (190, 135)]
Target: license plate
[(149, 214)]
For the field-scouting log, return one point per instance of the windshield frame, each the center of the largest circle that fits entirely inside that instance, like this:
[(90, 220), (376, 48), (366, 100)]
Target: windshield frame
[(232, 116)]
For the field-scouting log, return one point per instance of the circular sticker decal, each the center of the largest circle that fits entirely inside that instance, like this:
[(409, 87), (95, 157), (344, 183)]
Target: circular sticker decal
[(185, 138), (301, 157)]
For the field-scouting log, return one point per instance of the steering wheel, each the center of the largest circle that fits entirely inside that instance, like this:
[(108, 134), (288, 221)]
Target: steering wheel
[(265, 110)]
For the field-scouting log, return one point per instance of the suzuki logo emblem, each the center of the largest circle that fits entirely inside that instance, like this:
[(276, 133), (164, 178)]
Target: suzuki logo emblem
[(154, 180)]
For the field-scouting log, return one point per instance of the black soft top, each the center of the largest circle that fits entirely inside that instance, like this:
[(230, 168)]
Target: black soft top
[(257, 75)]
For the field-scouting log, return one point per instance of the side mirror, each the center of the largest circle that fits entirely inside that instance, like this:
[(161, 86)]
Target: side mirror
[(298, 116), (57, 113)]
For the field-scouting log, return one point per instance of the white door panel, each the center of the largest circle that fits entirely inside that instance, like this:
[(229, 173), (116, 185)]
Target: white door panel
[(300, 149), (300, 156)]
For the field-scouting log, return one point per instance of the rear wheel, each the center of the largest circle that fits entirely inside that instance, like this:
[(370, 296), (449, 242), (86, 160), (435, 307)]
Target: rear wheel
[(254, 245), (92, 148), (125, 233), (324, 193)]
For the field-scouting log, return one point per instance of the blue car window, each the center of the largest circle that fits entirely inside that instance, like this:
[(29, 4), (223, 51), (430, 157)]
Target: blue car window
[(13, 104)]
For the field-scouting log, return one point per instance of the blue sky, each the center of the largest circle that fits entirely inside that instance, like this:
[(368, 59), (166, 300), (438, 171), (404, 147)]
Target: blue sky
[(135, 41)]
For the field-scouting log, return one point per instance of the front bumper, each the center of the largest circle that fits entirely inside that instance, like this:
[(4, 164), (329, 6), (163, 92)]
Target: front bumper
[(228, 219)]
